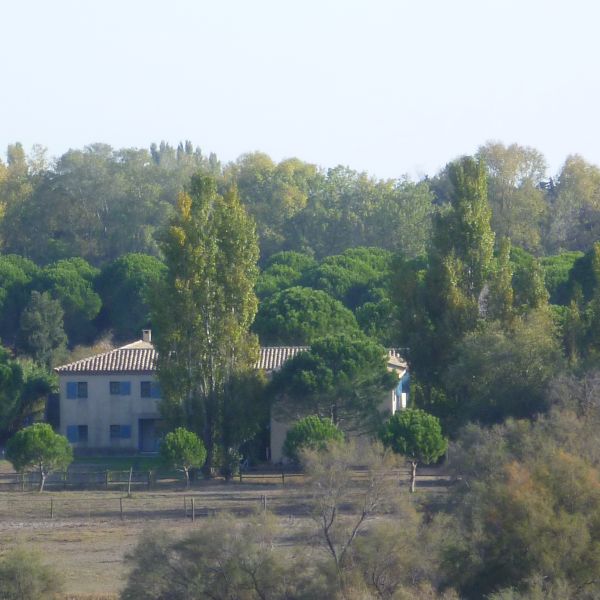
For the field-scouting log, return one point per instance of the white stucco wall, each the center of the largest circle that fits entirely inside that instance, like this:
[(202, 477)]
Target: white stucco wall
[(100, 409)]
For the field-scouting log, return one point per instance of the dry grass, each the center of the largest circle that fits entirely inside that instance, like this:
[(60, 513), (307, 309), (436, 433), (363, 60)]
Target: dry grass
[(87, 540)]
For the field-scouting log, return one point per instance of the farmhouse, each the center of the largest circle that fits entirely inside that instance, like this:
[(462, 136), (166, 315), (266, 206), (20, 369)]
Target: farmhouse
[(109, 402)]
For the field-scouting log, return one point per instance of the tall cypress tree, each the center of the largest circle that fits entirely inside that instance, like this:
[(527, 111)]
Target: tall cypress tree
[(203, 310)]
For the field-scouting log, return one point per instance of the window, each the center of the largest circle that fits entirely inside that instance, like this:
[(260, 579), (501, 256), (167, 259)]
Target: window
[(77, 389), (149, 389), (120, 432), (77, 434), (119, 388)]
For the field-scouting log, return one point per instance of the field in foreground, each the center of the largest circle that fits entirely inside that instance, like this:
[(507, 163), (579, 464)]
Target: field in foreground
[(87, 538)]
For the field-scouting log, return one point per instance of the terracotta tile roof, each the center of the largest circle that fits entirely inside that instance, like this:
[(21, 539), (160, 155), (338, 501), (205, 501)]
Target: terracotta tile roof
[(140, 357), (272, 357)]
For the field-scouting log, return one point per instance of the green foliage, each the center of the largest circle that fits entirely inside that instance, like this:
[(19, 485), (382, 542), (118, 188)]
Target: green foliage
[(72, 282), (24, 388), (575, 207), (182, 449), (343, 378), (557, 270), (350, 276), (499, 373), (124, 286), (519, 206), (528, 504), (416, 435), (298, 316), (203, 308), (24, 576), (501, 295), (41, 333), (283, 270), (16, 274), (528, 280), (310, 432), (38, 447)]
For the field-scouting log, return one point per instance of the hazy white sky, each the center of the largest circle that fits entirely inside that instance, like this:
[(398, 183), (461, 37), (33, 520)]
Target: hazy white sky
[(390, 87)]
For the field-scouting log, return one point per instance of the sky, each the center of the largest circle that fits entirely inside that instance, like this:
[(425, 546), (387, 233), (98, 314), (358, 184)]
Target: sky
[(383, 86)]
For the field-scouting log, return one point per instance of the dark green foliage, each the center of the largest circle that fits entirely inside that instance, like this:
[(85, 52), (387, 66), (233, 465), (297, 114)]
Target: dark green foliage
[(16, 274), (343, 378), (124, 287), (25, 576), (498, 374), (350, 276), (310, 432), (582, 277), (24, 388), (299, 315), (283, 270), (415, 434), (38, 448), (557, 272), (41, 333), (71, 281)]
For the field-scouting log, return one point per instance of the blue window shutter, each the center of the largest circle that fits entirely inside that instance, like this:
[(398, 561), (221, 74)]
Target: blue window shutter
[(125, 388), (71, 389), (126, 431), (72, 433), (155, 393)]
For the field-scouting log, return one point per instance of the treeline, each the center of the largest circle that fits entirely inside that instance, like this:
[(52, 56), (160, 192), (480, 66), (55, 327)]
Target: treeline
[(99, 203)]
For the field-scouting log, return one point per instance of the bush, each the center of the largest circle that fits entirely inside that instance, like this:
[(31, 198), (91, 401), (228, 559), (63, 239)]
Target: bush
[(310, 432), (23, 576)]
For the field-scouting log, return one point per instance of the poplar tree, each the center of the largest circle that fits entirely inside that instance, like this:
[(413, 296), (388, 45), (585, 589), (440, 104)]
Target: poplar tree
[(203, 310)]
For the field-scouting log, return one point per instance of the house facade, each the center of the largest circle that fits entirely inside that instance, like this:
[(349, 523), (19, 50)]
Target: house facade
[(109, 402)]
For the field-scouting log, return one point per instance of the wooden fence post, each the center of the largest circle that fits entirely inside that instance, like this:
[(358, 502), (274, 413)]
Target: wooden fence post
[(107, 478), (51, 508), (121, 507), (185, 506), (129, 482), (149, 479), (193, 510), (240, 475), (282, 478)]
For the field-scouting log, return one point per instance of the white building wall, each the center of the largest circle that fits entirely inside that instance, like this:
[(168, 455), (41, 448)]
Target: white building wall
[(100, 409)]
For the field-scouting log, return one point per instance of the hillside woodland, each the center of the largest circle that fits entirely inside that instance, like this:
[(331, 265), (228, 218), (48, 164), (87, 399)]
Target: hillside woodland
[(486, 275)]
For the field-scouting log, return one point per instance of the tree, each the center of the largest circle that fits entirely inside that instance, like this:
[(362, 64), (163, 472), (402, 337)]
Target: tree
[(41, 334), (203, 309), (24, 389), (342, 378), (24, 576), (124, 286), (38, 447), (330, 484), (517, 200), (525, 506), (283, 270), (499, 373), (226, 558), (416, 435), (299, 315), (72, 282), (183, 450), (310, 432)]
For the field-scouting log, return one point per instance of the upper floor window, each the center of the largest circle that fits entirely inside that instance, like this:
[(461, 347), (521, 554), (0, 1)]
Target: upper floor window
[(149, 389), (77, 389), (120, 388)]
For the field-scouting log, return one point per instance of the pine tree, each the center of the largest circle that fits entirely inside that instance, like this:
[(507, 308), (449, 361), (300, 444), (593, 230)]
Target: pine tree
[(203, 311)]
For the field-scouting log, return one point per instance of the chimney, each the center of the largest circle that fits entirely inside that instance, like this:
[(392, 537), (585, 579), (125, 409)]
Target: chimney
[(147, 335)]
